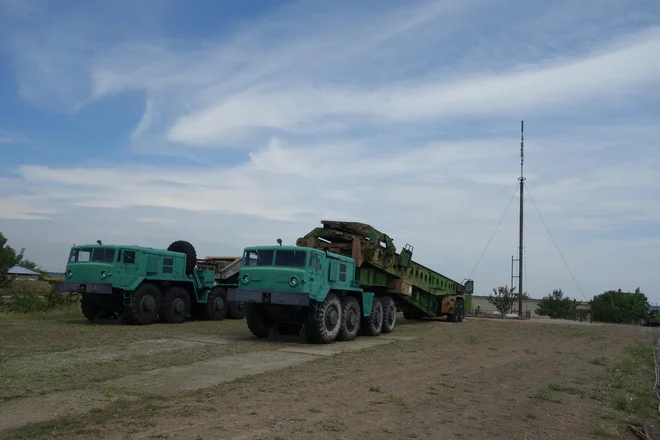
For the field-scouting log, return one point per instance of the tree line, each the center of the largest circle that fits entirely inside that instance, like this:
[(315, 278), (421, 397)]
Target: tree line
[(613, 306), (10, 257)]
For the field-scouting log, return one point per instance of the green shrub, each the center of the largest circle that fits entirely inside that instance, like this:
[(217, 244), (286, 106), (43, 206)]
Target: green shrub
[(27, 303), (57, 300), (30, 302)]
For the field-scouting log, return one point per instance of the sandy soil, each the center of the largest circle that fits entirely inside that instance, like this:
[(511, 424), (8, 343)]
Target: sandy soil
[(484, 378)]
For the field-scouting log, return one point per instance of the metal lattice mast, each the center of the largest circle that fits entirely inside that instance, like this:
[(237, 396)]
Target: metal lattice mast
[(520, 238)]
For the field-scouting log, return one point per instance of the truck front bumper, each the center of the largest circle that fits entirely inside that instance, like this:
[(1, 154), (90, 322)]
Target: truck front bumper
[(269, 297), (76, 287)]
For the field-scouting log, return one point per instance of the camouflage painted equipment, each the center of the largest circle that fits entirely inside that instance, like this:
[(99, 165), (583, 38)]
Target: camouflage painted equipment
[(141, 284), (224, 267), (420, 291)]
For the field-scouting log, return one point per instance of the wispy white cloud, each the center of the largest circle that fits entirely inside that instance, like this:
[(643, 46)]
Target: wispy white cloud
[(24, 207), (145, 121), (5, 137), (615, 75)]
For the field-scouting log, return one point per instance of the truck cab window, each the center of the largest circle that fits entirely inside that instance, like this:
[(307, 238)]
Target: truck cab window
[(129, 257)]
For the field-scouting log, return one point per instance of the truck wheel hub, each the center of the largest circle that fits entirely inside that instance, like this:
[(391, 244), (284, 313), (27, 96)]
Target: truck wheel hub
[(331, 317), (352, 319), (148, 304)]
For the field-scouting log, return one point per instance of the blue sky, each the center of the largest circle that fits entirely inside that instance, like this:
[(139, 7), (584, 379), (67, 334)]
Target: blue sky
[(234, 123)]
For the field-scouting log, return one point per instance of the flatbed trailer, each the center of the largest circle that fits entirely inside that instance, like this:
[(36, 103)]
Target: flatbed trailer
[(226, 276), (419, 292)]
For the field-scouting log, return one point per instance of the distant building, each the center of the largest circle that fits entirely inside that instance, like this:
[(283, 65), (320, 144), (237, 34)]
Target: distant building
[(22, 274), (530, 306)]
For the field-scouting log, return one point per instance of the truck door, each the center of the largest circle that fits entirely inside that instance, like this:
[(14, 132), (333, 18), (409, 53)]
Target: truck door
[(316, 276), (129, 267)]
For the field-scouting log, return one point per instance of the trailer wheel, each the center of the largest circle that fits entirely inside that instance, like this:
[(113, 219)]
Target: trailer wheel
[(389, 314), (188, 249), (236, 310), (258, 320), (350, 319), (324, 324), (460, 309), (215, 308), (145, 305), (373, 324), (288, 328), (411, 316), (176, 305)]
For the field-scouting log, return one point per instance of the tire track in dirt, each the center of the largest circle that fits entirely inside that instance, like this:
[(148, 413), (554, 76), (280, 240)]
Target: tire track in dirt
[(462, 382), (169, 381), (70, 358), (19, 412)]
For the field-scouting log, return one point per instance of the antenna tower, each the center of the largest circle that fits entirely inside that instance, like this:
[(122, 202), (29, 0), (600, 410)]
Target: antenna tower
[(520, 238)]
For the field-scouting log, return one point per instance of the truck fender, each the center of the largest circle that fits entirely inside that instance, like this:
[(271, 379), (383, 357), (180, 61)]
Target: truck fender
[(135, 284), (323, 293), (367, 303)]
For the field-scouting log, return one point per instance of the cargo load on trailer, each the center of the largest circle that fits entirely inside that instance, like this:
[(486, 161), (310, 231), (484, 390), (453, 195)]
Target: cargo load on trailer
[(419, 292), (340, 280), (140, 285)]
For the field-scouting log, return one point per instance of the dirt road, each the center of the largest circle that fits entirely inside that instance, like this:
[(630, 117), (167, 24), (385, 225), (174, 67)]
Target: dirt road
[(491, 379)]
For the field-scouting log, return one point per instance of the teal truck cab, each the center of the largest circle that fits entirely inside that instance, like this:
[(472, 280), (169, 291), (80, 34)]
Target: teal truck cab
[(286, 288), (141, 284)]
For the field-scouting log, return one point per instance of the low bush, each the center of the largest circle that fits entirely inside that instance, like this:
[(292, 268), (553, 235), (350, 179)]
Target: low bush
[(29, 302)]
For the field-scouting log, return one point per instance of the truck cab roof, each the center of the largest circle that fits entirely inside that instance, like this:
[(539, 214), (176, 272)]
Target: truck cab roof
[(298, 248)]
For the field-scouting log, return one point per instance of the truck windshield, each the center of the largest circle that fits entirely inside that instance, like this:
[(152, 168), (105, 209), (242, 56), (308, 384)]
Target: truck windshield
[(97, 254), (254, 257), (291, 258)]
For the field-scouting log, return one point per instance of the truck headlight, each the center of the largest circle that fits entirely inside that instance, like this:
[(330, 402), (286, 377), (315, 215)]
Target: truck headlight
[(246, 279), (104, 274), (293, 281), (69, 273)]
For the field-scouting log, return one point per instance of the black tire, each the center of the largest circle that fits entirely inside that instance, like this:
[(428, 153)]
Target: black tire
[(389, 314), (188, 249), (288, 328), (90, 309), (460, 311), (411, 316), (175, 305), (453, 317), (236, 310), (215, 307), (324, 325), (350, 319), (373, 324), (145, 305), (258, 320)]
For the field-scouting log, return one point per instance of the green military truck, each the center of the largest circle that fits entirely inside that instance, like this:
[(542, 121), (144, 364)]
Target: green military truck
[(340, 280), (140, 285)]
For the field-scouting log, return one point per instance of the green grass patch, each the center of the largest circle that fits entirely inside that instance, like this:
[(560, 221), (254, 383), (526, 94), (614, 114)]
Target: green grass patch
[(546, 395), (606, 431), (563, 389), (397, 399), (626, 394), (330, 425), (144, 408), (472, 339)]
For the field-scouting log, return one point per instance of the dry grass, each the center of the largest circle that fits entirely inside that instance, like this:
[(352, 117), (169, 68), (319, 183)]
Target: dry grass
[(448, 369)]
